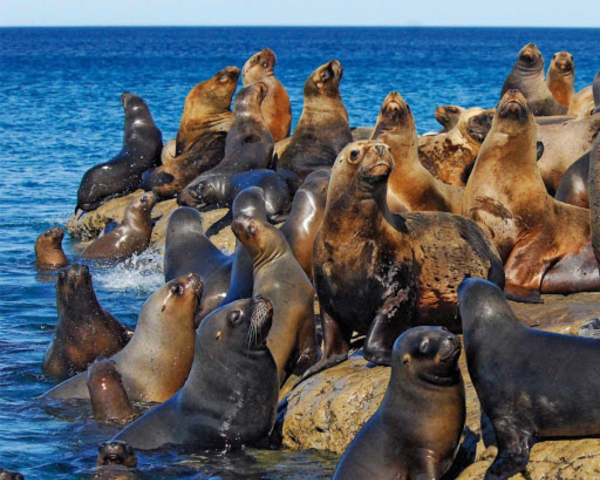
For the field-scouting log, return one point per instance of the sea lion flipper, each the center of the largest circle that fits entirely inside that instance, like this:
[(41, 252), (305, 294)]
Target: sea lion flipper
[(525, 269), (514, 446), (380, 340)]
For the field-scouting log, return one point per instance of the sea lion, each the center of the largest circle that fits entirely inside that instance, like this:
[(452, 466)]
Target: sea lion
[(560, 78), (544, 244), (416, 431), (279, 277), (379, 274), (573, 186), (276, 107), (10, 475), (305, 218), (411, 187), (527, 76), (116, 453), (169, 151), (596, 92), (142, 147), (448, 116), (157, 360), (48, 248), (230, 397), (84, 330), (131, 237), (110, 402), (515, 370), (323, 127), (200, 143), (581, 100)]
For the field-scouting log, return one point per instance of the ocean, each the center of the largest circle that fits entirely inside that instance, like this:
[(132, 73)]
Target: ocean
[(60, 114)]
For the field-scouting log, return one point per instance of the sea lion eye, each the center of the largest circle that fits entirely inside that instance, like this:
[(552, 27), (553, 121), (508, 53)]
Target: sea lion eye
[(265, 64), (424, 346), (235, 317), (177, 290), (354, 154)]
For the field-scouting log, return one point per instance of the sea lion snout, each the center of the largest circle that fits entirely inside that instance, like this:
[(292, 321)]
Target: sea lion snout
[(262, 320), (513, 105), (377, 163), (450, 347), (229, 74)]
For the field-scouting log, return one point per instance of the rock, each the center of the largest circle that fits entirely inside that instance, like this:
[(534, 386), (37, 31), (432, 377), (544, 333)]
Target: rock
[(361, 133), (590, 329)]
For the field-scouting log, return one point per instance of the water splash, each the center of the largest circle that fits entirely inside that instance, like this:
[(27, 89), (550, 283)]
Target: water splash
[(140, 274)]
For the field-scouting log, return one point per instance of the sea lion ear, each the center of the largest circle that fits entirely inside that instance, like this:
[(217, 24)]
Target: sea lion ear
[(540, 150), (406, 360)]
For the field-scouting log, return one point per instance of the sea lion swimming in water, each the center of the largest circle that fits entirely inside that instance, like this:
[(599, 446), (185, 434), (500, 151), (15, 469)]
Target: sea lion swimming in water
[(48, 248)]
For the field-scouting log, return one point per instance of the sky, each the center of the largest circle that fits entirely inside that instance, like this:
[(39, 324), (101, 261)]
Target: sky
[(530, 13)]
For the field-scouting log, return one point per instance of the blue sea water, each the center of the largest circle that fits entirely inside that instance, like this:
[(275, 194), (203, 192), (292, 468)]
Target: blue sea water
[(60, 114)]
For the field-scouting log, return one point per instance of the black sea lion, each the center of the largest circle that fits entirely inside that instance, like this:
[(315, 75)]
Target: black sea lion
[(116, 453), (378, 273), (276, 107), (448, 116), (527, 76), (48, 248), (200, 143), (323, 127), (131, 237), (416, 431), (230, 397), (560, 78), (10, 475), (142, 147), (157, 360), (84, 330), (516, 369)]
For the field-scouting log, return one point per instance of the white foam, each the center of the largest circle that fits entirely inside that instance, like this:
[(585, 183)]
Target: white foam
[(140, 273)]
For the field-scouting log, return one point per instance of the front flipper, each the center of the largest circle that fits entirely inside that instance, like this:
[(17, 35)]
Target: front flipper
[(220, 224), (380, 340), (514, 446)]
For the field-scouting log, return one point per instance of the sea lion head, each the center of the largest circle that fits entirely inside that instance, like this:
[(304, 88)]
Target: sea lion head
[(325, 81), (314, 188), (563, 63), (448, 115), (480, 124), (250, 98), (182, 296), (9, 475), (253, 232), (184, 220), (512, 112), (214, 95), (48, 247), (250, 202), (102, 373), (116, 452), (74, 281), (203, 192), (259, 66), (133, 104), (144, 203), (531, 58), (394, 115), (481, 303)]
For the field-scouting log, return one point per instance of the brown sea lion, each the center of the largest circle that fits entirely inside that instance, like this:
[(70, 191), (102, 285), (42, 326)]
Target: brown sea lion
[(323, 127), (527, 76), (10, 475), (84, 330), (379, 274), (116, 453), (157, 360), (448, 116), (581, 100), (48, 248), (110, 402), (279, 277), (560, 78), (131, 237), (544, 244), (276, 107), (573, 186), (200, 143), (411, 187)]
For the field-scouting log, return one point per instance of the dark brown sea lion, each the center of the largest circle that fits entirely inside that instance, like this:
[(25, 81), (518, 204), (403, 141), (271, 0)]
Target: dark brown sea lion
[(116, 453), (10, 475), (48, 248), (84, 330), (573, 186), (516, 369), (230, 397), (279, 277), (560, 78), (411, 187), (544, 244), (142, 147), (323, 127), (379, 274), (276, 107), (200, 143), (157, 360), (131, 237), (416, 431), (448, 116), (527, 76)]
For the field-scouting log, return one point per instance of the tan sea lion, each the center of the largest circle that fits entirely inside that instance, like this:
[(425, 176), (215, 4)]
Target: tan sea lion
[(276, 107), (48, 248), (448, 116), (560, 78), (581, 100)]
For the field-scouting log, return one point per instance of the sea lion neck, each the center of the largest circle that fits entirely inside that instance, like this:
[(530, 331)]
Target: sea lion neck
[(275, 248)]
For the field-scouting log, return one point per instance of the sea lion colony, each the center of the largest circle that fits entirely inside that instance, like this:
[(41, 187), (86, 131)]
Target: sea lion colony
[(392, 234)]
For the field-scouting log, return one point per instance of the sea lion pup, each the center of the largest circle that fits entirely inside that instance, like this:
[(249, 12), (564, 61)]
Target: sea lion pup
[(515, 370), (132, 236), (230, 397), (276, 107), (416, 431), (110, 402), (200, 143), (379, 274), (560, 78), (249, 143), (448, 116), (48, 248), (527, 76), (544, 244), (278, 276), (449, 156), (84, 330), (157, 360), (323, 127), (116, 453), (142, 147), (411, 187), (306, 217)]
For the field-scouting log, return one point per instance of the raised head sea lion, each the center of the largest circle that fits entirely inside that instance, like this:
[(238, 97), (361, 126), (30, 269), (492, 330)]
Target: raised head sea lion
[(416, 431), (411, 187), (527, 76), (200, 143), (230, 397), (157, 360), (84, 330), (379, 274), (276, 107), (560, 78), (515, 370), (448, 116), (142, 147), (48, 248)]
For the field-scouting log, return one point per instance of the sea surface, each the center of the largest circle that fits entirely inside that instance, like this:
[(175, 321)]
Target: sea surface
[(60, 114)]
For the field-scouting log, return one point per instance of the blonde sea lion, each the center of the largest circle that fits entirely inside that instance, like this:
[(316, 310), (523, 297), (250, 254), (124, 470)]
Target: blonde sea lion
[(560, 78), (48, 248)]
